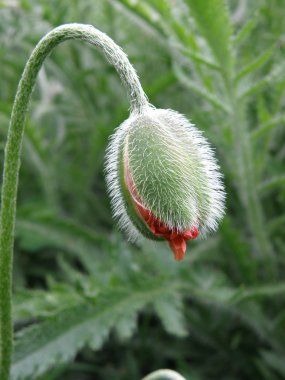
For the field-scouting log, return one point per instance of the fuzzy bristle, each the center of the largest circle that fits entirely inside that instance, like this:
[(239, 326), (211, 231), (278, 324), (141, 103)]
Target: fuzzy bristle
[(174, 170)]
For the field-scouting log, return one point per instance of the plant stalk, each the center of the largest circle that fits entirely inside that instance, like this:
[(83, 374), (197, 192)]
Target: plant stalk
[(138, 101), (248, 189)]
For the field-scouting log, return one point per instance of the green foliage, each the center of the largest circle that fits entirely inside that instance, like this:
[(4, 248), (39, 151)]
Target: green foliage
[(89, 305), (58, 339), (214, 23)]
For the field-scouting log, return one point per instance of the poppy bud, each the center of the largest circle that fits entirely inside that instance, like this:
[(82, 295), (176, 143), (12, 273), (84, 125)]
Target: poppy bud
[(163, 179)]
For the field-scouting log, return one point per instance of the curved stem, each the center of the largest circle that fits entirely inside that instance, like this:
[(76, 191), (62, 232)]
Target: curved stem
[(138, 101), (164, 374)]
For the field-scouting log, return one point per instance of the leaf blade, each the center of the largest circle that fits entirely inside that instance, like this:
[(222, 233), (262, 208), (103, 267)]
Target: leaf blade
[(214, 23)]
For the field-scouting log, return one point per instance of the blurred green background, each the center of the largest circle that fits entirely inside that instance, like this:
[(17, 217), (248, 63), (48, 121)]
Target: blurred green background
[(89, 305)]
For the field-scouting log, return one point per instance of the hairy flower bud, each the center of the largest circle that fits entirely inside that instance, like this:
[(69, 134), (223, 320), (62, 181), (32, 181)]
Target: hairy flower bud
[(163, 179)]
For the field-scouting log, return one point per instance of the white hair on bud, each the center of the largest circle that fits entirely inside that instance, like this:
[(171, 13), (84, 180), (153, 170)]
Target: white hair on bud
[(208, 174), (179, 182), (112, 169)]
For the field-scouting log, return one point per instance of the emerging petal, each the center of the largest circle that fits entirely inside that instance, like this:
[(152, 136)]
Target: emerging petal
[(176, 239)]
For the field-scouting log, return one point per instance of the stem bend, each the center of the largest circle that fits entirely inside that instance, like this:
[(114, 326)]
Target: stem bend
[(138, 102)]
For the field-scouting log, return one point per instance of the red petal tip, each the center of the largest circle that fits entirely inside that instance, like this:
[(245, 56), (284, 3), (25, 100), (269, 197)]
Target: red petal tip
[(178, 247), (176, 240), (191, 234)]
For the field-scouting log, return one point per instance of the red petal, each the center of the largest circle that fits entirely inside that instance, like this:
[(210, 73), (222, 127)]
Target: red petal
[(176, 240), (191, 234), (178, 247)]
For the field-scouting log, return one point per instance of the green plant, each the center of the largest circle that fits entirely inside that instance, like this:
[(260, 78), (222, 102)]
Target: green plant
[(222, 304), (196, 202)]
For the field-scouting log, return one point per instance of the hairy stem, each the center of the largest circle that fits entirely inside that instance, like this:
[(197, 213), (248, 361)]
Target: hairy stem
[(138, 101)]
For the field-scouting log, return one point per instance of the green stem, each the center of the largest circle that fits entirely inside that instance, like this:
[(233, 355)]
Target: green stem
[(138, 101)]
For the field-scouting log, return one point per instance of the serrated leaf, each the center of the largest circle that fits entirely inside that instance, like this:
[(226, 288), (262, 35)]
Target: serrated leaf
[(40, 303), (198, 58), (59, 338), (269, 290), (51, 342), (255, 64), (142, 14), (127, 325), (164, 24), (198, 89), (252, 88), (170, 311), (245, 31), (215, 25)]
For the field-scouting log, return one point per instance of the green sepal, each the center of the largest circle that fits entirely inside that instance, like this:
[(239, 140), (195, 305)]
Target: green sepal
[(129, 206)]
